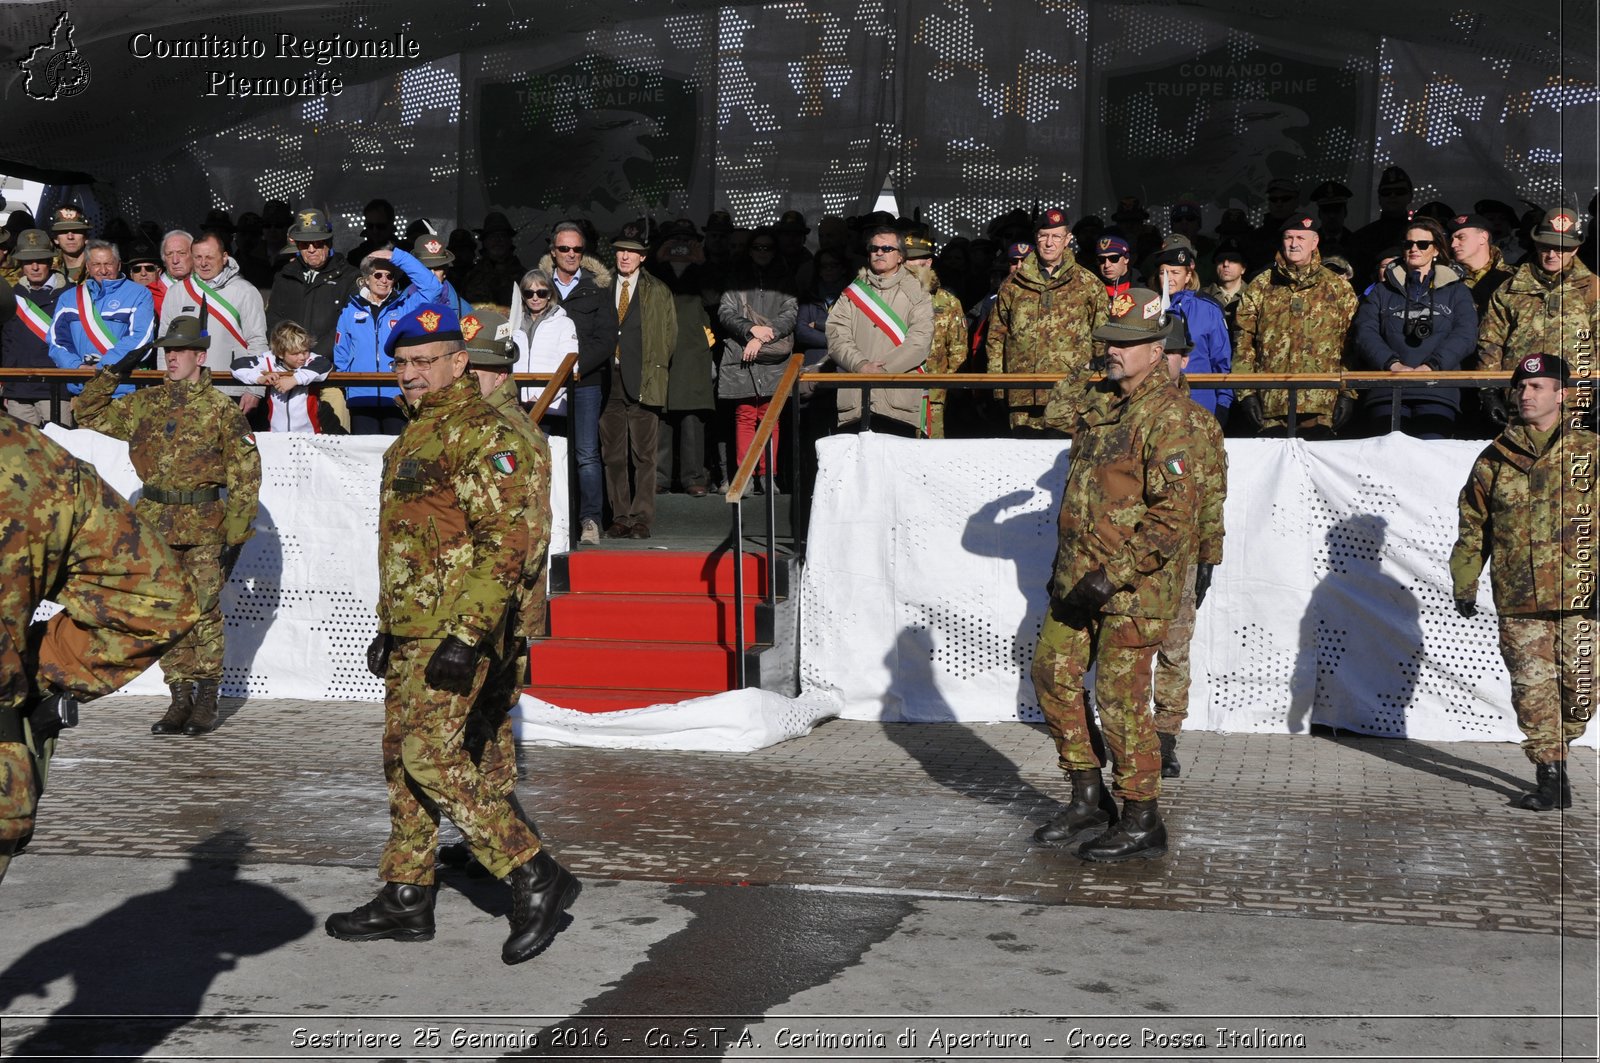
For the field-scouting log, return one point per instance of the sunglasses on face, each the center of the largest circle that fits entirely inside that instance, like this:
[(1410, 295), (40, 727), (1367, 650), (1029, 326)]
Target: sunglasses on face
[(883, 249), (536, 293), (308, 245), (1110, 258), (1420, 245), (382, 275), (144, 268), (567, 250)]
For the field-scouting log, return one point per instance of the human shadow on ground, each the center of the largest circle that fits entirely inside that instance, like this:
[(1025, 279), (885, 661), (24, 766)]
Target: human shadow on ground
[(142, 970)]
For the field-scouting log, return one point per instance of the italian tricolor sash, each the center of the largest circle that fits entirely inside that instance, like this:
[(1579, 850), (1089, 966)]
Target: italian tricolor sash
[(94, 326), (220, 308), (35, 319), (878, 311)]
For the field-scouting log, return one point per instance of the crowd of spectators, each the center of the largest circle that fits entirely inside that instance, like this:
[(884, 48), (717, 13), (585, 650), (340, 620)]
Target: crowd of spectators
[(681, 330)]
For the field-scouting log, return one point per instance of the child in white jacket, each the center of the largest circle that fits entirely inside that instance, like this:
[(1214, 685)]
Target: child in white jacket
[(291, 401)]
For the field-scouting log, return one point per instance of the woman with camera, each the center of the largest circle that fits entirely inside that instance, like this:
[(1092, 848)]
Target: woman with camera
[(1417, 319), (758, 314)]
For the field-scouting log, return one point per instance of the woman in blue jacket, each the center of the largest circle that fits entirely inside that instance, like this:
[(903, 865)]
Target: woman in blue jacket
[(384, 296), (1418, 318), (1208, 324)]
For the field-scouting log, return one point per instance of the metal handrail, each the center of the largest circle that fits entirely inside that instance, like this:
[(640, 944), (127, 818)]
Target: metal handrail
[(761, 444)]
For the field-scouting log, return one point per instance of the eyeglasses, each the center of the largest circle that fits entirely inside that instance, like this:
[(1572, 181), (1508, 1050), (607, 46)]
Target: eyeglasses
[(144, 267), (1420, 245), (382, 275), (307, 245), (566, 250), (883, 249), (421, 361), (536, 293), (1110, 258)]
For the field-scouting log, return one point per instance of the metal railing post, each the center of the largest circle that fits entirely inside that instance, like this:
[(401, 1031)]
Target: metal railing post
[(1394, 409), (1294, 411), (738, 595), (772, 517)]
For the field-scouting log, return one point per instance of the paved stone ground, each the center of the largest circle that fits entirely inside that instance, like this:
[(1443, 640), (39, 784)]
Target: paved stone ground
[(1310, 826)]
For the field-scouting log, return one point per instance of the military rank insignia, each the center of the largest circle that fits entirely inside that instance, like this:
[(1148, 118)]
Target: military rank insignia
[(504, 462), (470, 327), (1121, 305), (429, 321)]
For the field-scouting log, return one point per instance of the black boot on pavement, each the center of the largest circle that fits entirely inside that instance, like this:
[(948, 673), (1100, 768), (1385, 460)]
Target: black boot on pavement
[(177, 713), (400, 912), (204, 718), (458, 856), (1139, 833), (541, 890), (1090, 807), (1170, 768), (1550, 789)]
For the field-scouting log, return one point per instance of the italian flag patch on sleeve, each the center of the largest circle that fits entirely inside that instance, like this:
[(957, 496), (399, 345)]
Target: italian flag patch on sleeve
[(1176, 467), (504, 462)]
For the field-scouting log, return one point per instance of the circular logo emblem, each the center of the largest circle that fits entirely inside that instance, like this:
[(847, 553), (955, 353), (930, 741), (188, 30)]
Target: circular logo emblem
[(1532, 365), (433, 247), (1561, 222)]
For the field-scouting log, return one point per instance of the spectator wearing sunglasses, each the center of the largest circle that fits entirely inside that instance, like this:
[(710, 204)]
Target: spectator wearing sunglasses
[(1417, 319), (383, 299), (883, 323), (25, 320), (312, 289), (542, 333), (143, 266)]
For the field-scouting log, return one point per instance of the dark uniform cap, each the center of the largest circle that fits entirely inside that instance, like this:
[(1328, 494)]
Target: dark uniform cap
[(632, 237), (1468, 221), (917, 247), (487, 335), (428, 323), (496, 222), (431, 251), (1111, 245), (184, 334), (1537, 365), (1229, 249), (1331, 192), (1178, 341), (1394, 178), (310, 226), (1018, 251), (1300, 223), (1136, 316), (1560, 227), (1054, 218), (68, 218), (792, 221), (33, 245), (141, 251), (1176, 250)]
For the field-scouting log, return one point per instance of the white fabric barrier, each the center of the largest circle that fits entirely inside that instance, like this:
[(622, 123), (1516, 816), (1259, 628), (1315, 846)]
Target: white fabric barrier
[(736, 722), (924, 588)]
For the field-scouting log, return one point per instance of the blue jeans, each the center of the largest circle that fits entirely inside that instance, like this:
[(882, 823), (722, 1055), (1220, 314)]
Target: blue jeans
[(585, 426)]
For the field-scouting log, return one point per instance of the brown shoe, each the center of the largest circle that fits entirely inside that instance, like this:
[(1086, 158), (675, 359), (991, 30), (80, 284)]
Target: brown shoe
[(697, 491), (618, 530), (640, 531)]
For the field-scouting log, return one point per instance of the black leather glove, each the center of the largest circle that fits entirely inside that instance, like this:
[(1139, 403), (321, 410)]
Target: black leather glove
[(452, 666), (51, 714), (230, 558), (1248, 410), (378, 655), (1202, 582), (1466, 607), (1091, 592), (1343, 410), (125, 365), (1495, 407)]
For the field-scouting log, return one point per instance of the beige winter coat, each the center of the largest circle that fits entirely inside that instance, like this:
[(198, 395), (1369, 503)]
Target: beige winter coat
[(854, 341)]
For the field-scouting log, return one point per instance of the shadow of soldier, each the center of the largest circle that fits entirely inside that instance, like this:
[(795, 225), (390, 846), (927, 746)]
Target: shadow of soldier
[(250, 602), (130, 996)]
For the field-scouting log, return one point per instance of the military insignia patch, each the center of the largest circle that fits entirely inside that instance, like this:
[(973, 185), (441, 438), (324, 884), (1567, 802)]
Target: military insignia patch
[(1561, 222), (470, 327), (1121, 305), (1461, 219), (504, 462), (250, 438), (1105, 243), (429, 321), (1532, 365), (1176, 467), (433, 247), (1152, 309)]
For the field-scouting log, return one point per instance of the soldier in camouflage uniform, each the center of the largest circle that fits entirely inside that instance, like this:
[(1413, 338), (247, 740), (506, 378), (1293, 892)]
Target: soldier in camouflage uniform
[(1210, 462), (1549, 306), (202, 474), (69, 538), (1294, 318), (1530, 504), (453, 538), (1127, 525), (1042, 320), (949, 348)]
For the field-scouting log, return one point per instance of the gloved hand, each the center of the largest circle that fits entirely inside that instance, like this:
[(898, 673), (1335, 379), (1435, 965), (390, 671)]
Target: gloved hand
[(378, 655), (1495, 407), (1202, 583), (1248, 410), (230, 558), (1466, 607), (53, 712), (1091, 592), (125, 365), (1343, 410), (452, 665)]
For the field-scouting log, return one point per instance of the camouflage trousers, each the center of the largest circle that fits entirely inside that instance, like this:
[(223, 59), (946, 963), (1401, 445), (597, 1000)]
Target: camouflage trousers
[(1551, 658), (1172, 663), (429, 771), (489, 739), (198, 655), (20, 789), (1122, 649)]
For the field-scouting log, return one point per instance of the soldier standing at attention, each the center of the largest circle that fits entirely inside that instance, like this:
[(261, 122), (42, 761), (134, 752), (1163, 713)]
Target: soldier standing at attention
[(453, 537), (1041, 322), (1530, 504), (1127, 525), (69, 538), (197, 458)]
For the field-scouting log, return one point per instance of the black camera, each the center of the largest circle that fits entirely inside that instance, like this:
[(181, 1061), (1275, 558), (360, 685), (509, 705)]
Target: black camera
[(1418, 329)]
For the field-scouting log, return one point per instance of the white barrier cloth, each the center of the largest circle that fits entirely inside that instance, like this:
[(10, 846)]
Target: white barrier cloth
[(924, 588)]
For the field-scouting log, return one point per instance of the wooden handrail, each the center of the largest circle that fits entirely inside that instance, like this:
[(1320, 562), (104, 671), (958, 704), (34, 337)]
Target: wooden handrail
[(764, 430), (557, 381), (334, 380)]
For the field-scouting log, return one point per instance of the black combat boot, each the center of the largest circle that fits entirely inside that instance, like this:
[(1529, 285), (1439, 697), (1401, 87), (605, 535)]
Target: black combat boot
[(541, 890), (1140, 833), (1170, 768), (177, 713), (400, 912), (1090, 807), (204, 719), (1550, 789)]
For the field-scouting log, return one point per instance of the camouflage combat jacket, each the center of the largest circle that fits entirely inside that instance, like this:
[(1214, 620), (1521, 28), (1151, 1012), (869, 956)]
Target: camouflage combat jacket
[(1535, 513), (529, 604), (452, 526), (1041, 325), (949, 350), (182, 437), (1132, 498), (1294, 320), (1210, 473), (1541, 313), (70, 538)]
